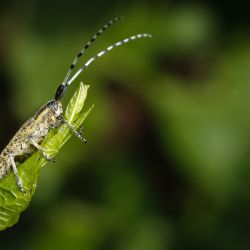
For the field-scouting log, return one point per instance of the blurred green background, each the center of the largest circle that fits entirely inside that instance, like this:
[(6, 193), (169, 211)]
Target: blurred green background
[(167, 165)]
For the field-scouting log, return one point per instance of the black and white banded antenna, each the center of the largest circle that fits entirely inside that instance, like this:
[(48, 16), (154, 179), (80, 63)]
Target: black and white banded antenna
[(63, 87), (87, 45)]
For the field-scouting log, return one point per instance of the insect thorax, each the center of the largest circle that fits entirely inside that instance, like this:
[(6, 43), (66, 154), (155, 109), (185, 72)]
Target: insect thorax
[(49, 113)]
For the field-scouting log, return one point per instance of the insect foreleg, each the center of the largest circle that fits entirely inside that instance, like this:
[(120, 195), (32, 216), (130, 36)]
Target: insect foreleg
[(36, 145), (18, 180), (76, 133)]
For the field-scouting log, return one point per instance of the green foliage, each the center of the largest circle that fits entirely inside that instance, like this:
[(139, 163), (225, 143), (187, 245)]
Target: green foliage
[(168, 166), (12, 200)]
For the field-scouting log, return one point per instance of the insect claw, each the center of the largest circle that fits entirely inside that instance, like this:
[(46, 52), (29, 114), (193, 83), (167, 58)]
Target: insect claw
[(20, 185), (53, 160), (81, 134), (49, 158), (84, 140)]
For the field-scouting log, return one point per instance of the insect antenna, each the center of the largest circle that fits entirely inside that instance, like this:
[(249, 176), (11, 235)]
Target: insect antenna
[(62, 88), (105, 51), (88, 44)]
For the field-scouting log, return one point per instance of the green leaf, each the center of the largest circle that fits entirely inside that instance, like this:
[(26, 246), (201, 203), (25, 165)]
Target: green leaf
[(12, 200), (79, 97)]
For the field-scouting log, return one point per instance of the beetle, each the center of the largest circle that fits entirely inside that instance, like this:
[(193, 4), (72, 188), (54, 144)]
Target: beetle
[(29, 137)]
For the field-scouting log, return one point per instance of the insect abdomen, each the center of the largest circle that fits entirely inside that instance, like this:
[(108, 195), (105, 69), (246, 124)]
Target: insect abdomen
[(4, 166), (20, 147)]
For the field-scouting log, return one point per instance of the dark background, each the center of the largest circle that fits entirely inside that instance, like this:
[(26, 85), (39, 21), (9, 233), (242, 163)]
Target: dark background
[(168, 159)]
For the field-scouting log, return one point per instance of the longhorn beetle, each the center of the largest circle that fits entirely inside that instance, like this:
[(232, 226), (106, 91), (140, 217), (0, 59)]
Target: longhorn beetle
[(30, 136)]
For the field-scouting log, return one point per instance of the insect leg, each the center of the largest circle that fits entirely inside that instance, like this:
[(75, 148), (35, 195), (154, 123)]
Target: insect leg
[(36, 145), (76, 133), (18, 181)]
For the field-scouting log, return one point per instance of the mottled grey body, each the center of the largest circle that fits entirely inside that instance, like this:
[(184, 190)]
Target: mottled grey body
[(29, 137)]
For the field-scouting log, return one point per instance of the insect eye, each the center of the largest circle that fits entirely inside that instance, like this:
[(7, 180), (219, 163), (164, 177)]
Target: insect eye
[(60, 91)]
